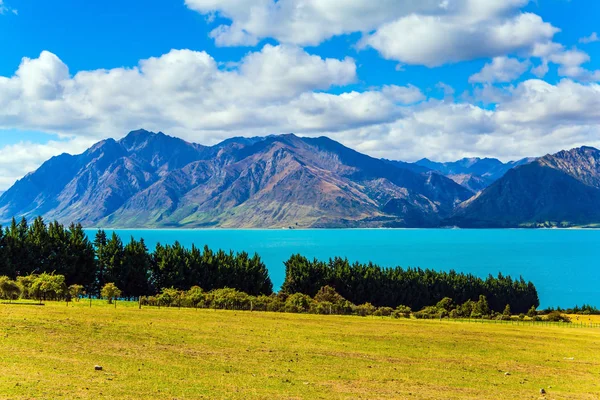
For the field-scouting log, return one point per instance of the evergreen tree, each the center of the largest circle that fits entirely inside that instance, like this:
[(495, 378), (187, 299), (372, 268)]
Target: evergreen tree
[(135, 269)]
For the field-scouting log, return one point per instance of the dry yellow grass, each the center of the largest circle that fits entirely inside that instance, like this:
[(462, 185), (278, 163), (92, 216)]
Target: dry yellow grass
[(49, 353)]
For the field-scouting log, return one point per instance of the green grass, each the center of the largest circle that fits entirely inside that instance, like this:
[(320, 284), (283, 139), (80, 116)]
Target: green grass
[(50, 352)]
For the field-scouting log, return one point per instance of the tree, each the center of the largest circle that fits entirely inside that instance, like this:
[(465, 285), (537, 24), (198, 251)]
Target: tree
[(481, 308), (135, 269), (48, 285), (506, 311), (100, 241), (76, 291), (110, 292), (298, 303), (327, 293), (80, 265), (9, 289), (113, 258)]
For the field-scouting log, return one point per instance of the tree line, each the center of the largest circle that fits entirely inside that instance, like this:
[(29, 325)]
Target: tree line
[(53, 249), (412, 287), (40, 249)]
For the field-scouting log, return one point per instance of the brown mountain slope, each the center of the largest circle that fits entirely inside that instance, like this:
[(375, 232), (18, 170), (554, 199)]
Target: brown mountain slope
[(153, 180), (562, 189)]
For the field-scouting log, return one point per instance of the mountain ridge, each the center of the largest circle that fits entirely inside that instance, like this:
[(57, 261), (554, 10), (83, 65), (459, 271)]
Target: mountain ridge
[(154, 180), (561, 189)]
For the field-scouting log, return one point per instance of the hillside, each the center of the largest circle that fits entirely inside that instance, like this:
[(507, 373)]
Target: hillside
[(213, 354), (154, 180), (562, 189), (473, 173)]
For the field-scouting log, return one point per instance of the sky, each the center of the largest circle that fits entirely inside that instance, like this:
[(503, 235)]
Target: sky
[(400, 79)]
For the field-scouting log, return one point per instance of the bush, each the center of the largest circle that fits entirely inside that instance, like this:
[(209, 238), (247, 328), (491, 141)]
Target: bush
[(49, 286), (328, 294), (402, 312), (556, 316), (298, 303), (322, 307), (195, 297), (365, 309), (228, 299), (9, 289), (383, 312), (445, 304), (110, 292)]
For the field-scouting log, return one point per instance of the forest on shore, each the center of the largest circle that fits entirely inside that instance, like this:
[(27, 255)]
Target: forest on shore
[(66, 263)]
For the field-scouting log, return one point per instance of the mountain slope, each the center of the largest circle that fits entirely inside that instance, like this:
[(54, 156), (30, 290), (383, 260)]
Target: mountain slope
[(562, 189), (153, 180), (473, 173)]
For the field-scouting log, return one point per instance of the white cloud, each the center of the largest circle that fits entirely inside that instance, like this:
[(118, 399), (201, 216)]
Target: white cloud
[(437, 40), (16, 160), (570, 62), (501, 69), (303, 22), (5, 9), (403, 94), (427, 32), (280, 89), (183, 90), (590, 39)]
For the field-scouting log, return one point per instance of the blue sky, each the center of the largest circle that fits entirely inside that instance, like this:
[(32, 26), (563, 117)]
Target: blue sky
[(434, 78)]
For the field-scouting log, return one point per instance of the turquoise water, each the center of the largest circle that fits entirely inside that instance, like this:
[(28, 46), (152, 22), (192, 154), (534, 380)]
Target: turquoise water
[(563, 264)]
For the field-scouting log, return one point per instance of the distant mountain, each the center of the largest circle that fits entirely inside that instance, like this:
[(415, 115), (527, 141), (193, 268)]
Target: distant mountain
[(473, 173), (154, 180), (562, 189)]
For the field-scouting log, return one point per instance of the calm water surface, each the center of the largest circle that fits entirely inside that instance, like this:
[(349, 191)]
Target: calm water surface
[(563, 264)]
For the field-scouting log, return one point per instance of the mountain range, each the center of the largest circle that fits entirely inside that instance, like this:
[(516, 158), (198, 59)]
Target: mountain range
[(154, 180)]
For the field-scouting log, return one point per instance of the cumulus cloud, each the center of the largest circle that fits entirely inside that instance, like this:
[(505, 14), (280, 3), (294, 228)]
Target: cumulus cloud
[(432, 32), (16, 160), (569, 62), (501, 69), (183, 90), (283, 89), (437, 40), (303, 22), (590, 39), (532, 119)]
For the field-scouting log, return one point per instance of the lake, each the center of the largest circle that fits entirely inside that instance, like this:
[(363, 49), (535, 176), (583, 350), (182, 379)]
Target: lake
[(563, 264)]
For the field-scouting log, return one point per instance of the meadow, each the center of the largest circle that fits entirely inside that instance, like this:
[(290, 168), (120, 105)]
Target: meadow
[(49, 352)]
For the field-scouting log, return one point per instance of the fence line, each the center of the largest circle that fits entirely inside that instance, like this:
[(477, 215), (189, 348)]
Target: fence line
[(572, 324)]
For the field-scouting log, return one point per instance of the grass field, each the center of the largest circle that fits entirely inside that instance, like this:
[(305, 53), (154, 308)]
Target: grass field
[(50, 352)]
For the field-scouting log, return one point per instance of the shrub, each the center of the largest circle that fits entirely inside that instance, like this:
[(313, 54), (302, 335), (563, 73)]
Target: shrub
[(76, 291), (402, 312), (298, 303), (328, 294), (322, 307), (365, 309), (9, 289), (556, 316), (195, 296), (48, 285), (383, 312), (445, 304), (275, 304), (229, 299), (110, 292)]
